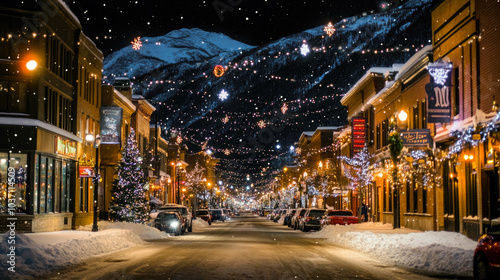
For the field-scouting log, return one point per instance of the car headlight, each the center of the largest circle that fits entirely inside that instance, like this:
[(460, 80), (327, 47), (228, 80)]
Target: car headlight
[(174, 224)]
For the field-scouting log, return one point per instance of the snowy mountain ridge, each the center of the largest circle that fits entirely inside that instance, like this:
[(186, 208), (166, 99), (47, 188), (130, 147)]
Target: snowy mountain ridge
[(178, 46)]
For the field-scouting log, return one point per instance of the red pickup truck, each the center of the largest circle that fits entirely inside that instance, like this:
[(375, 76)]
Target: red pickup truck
[(339, 217)]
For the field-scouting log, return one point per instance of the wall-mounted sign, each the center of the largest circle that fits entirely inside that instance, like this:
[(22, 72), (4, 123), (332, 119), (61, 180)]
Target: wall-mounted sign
[(416, 137), (111, 123), (65, 147), (358, 135), (86, 171), (439, 92)]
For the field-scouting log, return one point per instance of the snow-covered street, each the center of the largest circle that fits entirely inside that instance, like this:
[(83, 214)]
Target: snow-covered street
[(246, 247)]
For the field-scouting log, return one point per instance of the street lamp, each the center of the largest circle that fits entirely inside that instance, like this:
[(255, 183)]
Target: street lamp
[(97, 142), (31, 65)]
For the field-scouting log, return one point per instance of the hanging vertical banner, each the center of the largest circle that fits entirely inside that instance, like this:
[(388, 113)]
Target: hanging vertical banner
[(111, 123), (439, 92), (358, 135)]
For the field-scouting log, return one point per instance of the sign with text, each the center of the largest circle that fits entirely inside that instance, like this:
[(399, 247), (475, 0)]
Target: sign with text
[(111, 124), (65, 147), (439, 92), (416, 137), (358, 135), (86, 171)]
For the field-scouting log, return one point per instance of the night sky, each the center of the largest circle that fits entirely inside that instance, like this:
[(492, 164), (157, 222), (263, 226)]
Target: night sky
[(112, 24)]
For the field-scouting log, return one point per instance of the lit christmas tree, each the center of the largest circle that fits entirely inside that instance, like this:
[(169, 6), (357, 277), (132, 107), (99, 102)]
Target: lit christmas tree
[(196, 183), (128, 201)]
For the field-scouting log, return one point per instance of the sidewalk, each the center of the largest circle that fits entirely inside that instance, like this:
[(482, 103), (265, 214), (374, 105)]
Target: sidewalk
[(431, 252)]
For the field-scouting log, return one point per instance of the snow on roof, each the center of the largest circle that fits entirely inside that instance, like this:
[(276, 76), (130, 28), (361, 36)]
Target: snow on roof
[(360, 82), (414, 59), (124, 99), (69, 11), (328, 128), (38, 123)]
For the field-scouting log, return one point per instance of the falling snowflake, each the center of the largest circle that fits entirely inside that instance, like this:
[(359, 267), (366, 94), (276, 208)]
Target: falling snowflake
[(223, 95), (137, 44), (225, 119), (227, 152), (304, 49), (284, 108), (329, 29), (261, 124)]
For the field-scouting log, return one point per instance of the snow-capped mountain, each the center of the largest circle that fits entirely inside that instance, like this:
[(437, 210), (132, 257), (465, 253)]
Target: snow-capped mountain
[(179, 46), (263, 80)]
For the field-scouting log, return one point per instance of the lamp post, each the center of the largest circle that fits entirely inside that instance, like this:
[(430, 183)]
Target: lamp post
[(178, 178), (97, 142), (402, 116)]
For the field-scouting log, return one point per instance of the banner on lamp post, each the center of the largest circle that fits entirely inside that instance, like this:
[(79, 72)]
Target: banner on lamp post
[(111, 124), (439, 92)]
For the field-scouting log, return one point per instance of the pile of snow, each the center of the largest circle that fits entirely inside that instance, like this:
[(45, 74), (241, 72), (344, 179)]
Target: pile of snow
[(145, 232), (38, 253), (199, 224), (433, 252)]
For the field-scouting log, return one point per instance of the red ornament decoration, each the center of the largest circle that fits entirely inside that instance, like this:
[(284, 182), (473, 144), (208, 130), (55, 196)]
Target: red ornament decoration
[(219, 71)]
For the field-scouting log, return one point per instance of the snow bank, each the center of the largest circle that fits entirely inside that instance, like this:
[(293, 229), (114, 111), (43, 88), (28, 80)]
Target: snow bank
[(38, 253), (199, 224), (145, 232), (434, 252)]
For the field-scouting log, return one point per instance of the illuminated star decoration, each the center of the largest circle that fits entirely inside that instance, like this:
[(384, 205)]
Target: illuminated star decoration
[(329, 29), (440, 75), (178, 139), (219, 71), (137, 44), (261, 124), (284, 108), (225, 119), (223, 95), (304, 49), (227, 152)]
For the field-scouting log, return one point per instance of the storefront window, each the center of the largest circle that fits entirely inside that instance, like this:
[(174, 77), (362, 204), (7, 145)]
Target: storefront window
[(35, 183), (19, 163), (64, 196), (43, 185), (50, 193), (57, 186), (3, 182)]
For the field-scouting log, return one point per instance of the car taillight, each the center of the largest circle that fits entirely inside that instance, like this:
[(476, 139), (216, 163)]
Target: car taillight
[(308, 218)]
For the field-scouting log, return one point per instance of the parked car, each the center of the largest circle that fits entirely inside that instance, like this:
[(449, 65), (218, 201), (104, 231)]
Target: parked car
[(288, 218), (278, 215), (339, 217), (217, 215), (205, 215), (311, 219), (487, 256), (183, 210), (170, 222), (297, 216)]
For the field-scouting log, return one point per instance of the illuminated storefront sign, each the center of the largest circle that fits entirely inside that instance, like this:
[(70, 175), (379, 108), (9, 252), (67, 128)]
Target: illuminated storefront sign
[(65, 147), (416, 137), (439, 92), (358, 134)]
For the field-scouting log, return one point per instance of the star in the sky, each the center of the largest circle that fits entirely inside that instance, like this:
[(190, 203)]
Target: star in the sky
[(304, 49), (329, 29), (223, 95)]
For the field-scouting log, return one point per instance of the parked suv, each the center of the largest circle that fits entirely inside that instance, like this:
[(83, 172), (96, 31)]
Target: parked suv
[(170, 222), (311, 219), (487, 256), (217, 215), (183, 210), (288, 218), (204, 215), (297, 216)]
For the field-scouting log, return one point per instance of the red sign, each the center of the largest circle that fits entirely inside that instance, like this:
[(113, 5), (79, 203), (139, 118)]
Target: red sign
[(358, 134), (86, 171)]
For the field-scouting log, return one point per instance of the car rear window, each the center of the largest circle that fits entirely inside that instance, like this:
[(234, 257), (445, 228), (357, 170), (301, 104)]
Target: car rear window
[(302, 212), (181, 210), (201, 212), (340, 213), (316, 213), (166, 216)]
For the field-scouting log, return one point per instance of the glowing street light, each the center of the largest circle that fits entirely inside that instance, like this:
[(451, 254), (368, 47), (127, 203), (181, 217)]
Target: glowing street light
[(31, 65)]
